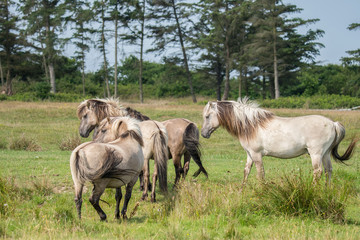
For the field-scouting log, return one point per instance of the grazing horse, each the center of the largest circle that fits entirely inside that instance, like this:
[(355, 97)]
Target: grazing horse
[(155, 146), (261, 133), (109, 165), (183, 134)]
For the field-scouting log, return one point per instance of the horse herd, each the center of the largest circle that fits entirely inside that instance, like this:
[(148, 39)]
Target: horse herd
[(124, 140)]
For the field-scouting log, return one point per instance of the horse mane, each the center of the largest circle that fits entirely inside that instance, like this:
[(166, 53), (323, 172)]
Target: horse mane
[(135, 114), (133, 129), (109, 107), (242, 118), (102, 107)]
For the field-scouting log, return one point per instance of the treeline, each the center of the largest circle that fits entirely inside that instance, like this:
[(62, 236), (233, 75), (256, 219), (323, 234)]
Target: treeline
[(226, 49)]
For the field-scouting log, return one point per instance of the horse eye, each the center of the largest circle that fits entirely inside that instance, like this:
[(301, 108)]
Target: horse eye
[(103, 130), (207, 117), (85, 116)]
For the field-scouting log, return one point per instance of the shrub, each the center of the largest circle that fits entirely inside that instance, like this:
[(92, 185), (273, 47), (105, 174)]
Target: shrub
[(24, 143), (297, 195), (3, 144), (70, 143)]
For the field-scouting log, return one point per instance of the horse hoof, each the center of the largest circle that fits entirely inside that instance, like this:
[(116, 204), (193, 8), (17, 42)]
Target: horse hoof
[(153, 200)]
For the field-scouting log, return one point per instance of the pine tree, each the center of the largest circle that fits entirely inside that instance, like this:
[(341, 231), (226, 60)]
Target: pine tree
[(44, 21)]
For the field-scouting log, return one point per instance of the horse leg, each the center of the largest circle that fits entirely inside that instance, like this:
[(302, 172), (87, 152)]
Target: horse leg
[(146, 179), (78, 198), (257, 159), (316, 163), (129, 188), (178, 168), (326, 160), (118, 196), (154, 179), (98, 190), (187, 158), (141, 180), (248, 165)]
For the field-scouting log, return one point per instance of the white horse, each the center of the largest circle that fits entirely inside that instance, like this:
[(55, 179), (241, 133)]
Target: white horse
[(108, 165), (261, 133)]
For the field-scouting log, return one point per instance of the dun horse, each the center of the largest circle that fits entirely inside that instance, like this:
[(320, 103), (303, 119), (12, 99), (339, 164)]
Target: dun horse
[(183, 134), (261, 133), (109, 165), (155, 146)]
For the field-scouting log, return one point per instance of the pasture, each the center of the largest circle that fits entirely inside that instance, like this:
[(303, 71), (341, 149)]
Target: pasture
[(37, 198)]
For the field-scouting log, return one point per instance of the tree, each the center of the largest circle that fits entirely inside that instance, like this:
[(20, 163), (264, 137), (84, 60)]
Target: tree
[(354, 58), (273, 32), (80, 15), (44, 19), (168, 29), (12, 44), (100, 9)]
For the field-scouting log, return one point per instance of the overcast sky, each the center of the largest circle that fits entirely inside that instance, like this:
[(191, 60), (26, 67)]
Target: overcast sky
[(335, 16)]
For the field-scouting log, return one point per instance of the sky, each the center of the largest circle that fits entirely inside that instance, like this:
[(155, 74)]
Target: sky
[(334, 18)]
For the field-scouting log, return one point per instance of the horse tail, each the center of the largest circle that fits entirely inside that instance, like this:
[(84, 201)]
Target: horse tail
[(161, 157), (339, 136), (82, 172), (74, 164), (192, 145)]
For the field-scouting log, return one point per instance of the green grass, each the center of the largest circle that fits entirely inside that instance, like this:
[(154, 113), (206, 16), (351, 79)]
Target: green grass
[(37, 190)]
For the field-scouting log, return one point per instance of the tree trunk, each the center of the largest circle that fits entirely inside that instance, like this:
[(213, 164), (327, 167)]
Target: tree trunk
[(52, 77), (9, 89), (46, 68), (276, 75), (188, 74), (1, 76), (50, 53), (83, 73), (227, 70), (263, 87), (116, 51), (103, 50), (141, 54), (240, 82), (219, 78)]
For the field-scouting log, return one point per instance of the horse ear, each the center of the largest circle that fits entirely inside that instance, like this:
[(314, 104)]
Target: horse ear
[(87, 104), (212, 105), (108, 120)]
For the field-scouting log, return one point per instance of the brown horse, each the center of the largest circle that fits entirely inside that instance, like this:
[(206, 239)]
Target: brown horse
[(155, 146), (183, 134), (109, 165)]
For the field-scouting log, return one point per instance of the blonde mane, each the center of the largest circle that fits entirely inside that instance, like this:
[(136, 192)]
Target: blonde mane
[(132, 125), (109, 107), (242, 118)]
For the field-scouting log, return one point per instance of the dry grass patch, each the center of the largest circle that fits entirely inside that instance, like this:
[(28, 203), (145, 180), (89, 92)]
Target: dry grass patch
[(24, 143), (70, 143)]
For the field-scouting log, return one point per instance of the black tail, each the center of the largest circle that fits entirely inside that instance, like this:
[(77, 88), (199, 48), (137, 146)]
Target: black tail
[(192, 145), (339, 136)]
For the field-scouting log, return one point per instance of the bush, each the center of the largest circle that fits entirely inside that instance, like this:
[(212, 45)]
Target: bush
[(70, 143), (314, 102), (24, 143), (297, 195)]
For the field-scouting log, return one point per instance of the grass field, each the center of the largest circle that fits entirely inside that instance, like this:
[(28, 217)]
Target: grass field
[(37, 190)]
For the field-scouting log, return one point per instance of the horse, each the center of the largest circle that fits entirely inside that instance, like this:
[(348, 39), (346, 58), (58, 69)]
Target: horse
[(183, 134), (155, 146), (262, 133), (184, 141), (108, 165), (90, 112)]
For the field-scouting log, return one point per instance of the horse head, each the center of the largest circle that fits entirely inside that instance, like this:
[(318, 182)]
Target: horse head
[(211, 122), (114, 128)]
